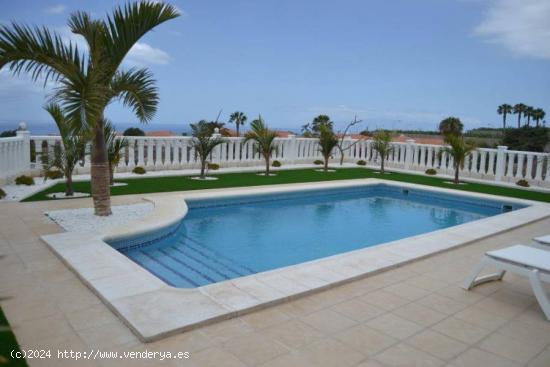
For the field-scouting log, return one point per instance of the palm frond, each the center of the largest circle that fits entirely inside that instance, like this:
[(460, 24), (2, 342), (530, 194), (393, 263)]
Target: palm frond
[(136, 88), (130, 22), (40, 53)]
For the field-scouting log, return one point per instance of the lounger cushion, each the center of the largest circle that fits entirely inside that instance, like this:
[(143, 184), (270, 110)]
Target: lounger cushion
[(524, 255), (543, 239)]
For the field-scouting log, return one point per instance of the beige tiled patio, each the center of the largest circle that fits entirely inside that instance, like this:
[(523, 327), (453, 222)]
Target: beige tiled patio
[(416, 315)]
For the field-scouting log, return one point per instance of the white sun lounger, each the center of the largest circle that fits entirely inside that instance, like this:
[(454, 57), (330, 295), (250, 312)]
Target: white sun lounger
[(542, 242), (528, 261)]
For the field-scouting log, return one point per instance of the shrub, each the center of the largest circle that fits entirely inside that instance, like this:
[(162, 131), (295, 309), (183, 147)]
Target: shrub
[(24, 180), (361, 162), (276, 164), (431, 171), (213, 166), (2, 194), (318, 162), (139, 170), (53, 174), (522, 183), (133, 131)]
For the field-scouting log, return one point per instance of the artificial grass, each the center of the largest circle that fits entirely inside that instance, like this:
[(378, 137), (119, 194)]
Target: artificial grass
[(7, 344), (184, 183)]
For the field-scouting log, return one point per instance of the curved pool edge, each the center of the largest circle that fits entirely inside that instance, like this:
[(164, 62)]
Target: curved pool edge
[(167, 211), (154, 310)]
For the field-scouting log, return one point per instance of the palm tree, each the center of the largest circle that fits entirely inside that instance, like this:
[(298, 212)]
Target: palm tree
[(72, 149), (115, 149), (529, 113), (89, 82), (451, 126), (504, 109), (538, 114), (264, 140), (327, 142), (382, 145), (204, 143), (519, 109), (239, 118), (459, 150)]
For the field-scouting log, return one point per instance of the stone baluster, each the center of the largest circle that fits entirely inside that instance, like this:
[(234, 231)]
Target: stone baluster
[(529, 168), (150, 160), (167, 164), (158, 155), (500, 162), (131, 153), (519, 169), (141, 152), (510, 169), (409, 154), (491, 168)]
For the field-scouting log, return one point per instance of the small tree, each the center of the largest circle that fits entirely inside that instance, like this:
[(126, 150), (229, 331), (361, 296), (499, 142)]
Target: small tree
[(459, 150), (239, 118), (115, 149), (204, 143), (382, 145), (340, 145), (264, 140), (451, 126), (133, 131), (327, 142), (66, 156)]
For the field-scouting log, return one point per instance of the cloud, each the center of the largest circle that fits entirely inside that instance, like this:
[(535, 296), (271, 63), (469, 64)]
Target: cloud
[(56, 9), (143, 54), (521, 26)]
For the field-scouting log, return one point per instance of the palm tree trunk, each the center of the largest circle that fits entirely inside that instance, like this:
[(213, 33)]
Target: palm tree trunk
[(203, 168), (504, 121), (519, 120), (326, 164), (382, 164), (100, 174), (267, 165), (456, 181), (69, 191), (237, 125)]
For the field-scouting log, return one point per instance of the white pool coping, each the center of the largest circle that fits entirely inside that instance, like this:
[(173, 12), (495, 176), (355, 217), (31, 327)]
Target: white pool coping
[(154, 310)]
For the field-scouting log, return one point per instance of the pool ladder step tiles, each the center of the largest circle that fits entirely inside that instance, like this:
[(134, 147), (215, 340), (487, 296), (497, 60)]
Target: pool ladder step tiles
[(188, 264)]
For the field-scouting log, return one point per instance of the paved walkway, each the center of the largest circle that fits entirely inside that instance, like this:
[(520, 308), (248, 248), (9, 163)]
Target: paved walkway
[(416, 315)]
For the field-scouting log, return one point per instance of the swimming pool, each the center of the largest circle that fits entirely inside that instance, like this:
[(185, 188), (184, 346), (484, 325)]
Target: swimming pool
[(226, 238)]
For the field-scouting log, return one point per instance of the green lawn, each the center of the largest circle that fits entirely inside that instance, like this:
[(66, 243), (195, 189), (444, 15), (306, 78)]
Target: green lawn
[(183, 183), (7, 344)]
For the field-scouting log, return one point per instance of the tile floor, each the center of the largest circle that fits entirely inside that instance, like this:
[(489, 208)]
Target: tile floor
[(416, 315)]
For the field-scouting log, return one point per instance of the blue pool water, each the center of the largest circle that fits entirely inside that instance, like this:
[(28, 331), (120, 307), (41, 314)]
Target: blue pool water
[(221, 239)]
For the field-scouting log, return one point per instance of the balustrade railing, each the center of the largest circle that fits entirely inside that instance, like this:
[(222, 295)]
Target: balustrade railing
[(25, 153)]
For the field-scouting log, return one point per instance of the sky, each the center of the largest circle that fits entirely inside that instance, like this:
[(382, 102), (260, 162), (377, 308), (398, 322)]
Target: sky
[(395, 64)]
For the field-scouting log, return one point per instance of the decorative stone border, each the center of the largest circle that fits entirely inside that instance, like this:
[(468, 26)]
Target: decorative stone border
[(153, 309)]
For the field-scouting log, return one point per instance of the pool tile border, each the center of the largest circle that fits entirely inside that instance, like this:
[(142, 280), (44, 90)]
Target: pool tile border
[(154, 310)]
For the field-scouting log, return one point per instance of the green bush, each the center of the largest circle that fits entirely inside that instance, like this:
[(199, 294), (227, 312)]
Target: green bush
[(139, 170), (24, 180), (213, 166), (53, 174), (318, 162), (431, 172), (532, 139), (523, 183), (361, 162), (276, 164), (2, 194)]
